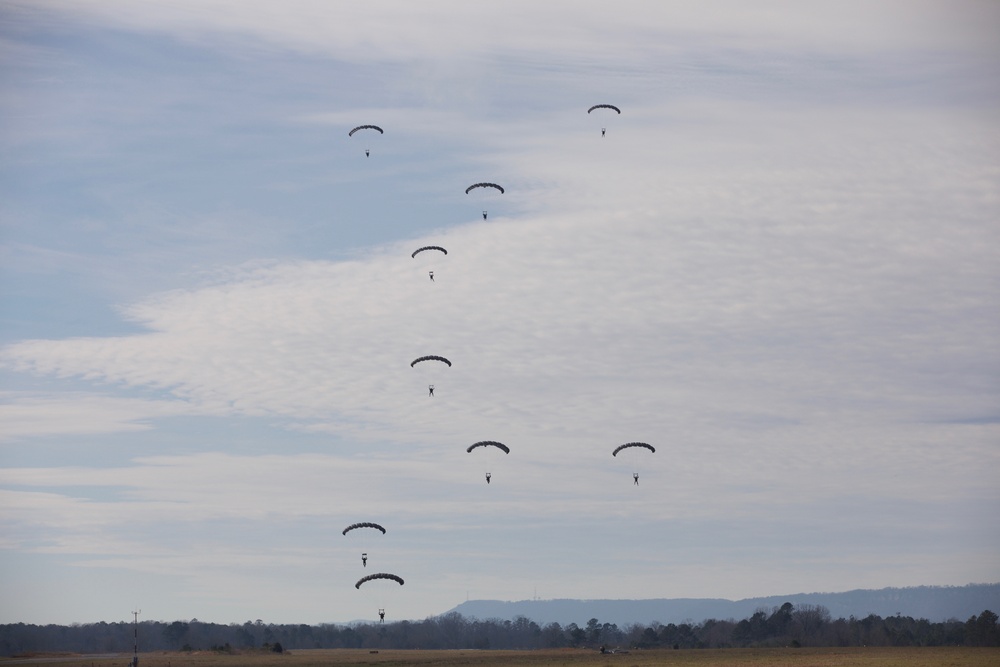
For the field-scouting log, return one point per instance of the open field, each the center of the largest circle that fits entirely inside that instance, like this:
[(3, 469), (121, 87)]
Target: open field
[(804, 657)]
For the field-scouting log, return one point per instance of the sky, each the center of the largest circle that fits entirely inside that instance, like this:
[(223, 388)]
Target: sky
[(779, 266)]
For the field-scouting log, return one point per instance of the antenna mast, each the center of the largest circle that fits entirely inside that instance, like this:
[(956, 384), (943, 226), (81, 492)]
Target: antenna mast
[(135, 626)]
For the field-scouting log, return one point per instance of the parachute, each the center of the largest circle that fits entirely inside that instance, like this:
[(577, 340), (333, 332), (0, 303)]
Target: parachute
[(364, 536), (488, 456), (484, 185), (632, 444), (364, 524), (428, 247), (490, 443), (485, 198), (380, 575), (605, 106), (365, 127), (430, 357)]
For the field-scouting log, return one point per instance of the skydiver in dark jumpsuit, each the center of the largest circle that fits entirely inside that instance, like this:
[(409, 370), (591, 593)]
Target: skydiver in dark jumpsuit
[(431, 274), (635, 476), (488, 475), (430, 390)]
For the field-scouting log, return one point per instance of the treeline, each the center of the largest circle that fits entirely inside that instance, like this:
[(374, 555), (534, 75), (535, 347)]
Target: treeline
[(781, 626)]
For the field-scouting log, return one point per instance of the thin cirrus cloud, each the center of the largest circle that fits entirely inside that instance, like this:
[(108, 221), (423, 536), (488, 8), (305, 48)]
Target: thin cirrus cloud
[(390, 29)]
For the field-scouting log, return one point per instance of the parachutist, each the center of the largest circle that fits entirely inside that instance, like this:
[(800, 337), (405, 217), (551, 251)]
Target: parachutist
[(603, 130), (381, 615), (366, 152), (635, 476), (488, 475), (430, 390), (484, 215), (364, 524), (431, 274)]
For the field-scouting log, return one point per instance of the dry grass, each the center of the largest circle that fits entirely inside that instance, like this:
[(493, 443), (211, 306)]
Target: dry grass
[(804, 657)]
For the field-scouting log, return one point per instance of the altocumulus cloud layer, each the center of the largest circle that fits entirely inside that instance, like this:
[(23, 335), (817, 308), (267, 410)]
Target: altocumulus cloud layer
[(779, 267)]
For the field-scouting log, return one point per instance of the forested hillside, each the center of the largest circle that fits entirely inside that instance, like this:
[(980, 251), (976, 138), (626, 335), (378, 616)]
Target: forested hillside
[(935, 603)]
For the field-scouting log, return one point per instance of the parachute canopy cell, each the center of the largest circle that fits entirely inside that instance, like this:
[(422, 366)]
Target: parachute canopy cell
[(604, 106), (428, 247), (380, 575), (490, 443), (483, 185), (365, 127), (430, 357), (363, 524), (632, 444)]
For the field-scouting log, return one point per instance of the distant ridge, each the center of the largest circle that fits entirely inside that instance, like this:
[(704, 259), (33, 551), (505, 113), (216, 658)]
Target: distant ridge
[(934, 603)]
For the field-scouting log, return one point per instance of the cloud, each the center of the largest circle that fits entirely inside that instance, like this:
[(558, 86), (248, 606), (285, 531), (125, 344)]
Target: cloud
[(81, 413), (637, 287), (778, 267), (396, 30), (621, 281)]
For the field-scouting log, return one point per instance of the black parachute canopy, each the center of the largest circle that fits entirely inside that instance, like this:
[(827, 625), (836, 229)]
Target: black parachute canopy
[(632, 444), (429, 357), (428, 247), (490, 443), (365, 127), (363, 524), (380, 575), (484, 185), (604, 106)]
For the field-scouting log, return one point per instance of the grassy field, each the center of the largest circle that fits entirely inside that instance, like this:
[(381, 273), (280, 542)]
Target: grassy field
[(803, 657)]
